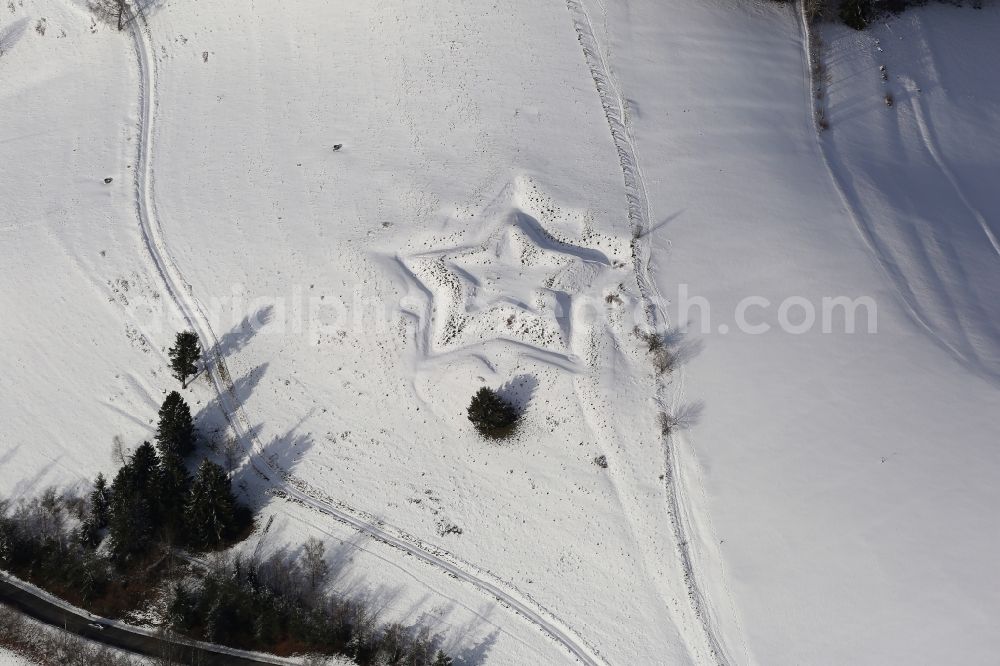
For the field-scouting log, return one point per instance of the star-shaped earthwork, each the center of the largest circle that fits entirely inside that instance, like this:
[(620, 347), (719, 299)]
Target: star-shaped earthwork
[(521, 283)]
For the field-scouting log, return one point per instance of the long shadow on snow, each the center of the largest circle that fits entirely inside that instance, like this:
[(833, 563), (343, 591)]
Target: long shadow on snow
[(210, 420), (681, 347), (240, 335), (519, 391), (469, 643), (11, 34)]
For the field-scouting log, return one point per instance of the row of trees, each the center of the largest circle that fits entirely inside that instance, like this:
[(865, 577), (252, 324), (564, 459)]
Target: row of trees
[(41, 541), (280, 601)]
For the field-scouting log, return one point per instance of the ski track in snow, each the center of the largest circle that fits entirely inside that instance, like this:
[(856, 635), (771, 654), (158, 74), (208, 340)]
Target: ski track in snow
[(930, 144), (856, 210), (282, 481), (679, 513)]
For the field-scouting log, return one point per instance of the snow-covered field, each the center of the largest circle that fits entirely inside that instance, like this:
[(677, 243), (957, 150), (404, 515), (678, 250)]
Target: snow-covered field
[(848, 478), (521, 184)]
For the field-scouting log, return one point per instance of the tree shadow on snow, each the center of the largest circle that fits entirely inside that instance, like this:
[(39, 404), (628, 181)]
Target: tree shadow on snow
[(681, 346), (469, 642), (8, 455), (147, 8), (283, 452), (661, 224), (519, 391), (240, 335), (687, 415), (244, 387), (476, 653), (211, 421), (33, 485), (11, 34)]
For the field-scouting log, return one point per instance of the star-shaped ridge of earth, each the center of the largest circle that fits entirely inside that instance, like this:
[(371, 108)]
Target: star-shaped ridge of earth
[(521, 283)]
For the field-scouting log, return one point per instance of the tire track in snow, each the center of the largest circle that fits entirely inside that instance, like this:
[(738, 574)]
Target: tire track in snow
[(639, 215), (281, 480)]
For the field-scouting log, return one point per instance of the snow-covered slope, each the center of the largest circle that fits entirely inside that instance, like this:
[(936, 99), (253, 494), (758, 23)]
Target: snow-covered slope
[(468, 233), (520, 185), (82, 320), (920, 176), (848, 478)]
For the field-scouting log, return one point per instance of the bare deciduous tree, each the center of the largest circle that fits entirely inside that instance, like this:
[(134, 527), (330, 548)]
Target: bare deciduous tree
[(115, 12), (231, 454), (314, 563), (119, 455)]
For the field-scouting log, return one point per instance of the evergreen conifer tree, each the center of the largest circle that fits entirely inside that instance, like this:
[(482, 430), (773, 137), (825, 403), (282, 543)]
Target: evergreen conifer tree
[(182, 610), (100, 503), (493, 417), (211, 507), (134, 518), (184, 355), (175, 431), (175, 484)]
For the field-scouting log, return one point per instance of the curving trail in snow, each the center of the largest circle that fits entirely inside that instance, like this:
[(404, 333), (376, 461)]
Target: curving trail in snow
[(283, 483), (918, 265), (668, 394), (927, 135)]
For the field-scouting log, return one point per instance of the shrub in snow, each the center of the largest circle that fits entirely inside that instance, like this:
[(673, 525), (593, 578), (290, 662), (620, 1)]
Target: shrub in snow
[(493, 417), (659, 353)]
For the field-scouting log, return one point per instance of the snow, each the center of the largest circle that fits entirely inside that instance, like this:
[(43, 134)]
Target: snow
[(78, 367), (8, 658), (828, 498), (844, 480), (35, 630)]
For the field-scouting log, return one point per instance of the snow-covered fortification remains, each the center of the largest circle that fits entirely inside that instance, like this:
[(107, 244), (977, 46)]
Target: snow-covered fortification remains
[(520, 190)]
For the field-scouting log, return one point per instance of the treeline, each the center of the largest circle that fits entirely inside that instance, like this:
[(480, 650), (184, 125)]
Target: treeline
[(280, 601), (41, 540), (117, 547), (89, 549), (859, 14)]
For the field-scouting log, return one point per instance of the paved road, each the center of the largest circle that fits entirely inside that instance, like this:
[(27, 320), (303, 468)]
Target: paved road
[(49, 612)]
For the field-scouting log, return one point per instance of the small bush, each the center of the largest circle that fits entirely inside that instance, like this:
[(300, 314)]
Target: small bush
[(493, 417), (661, 356), (821, 120)]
